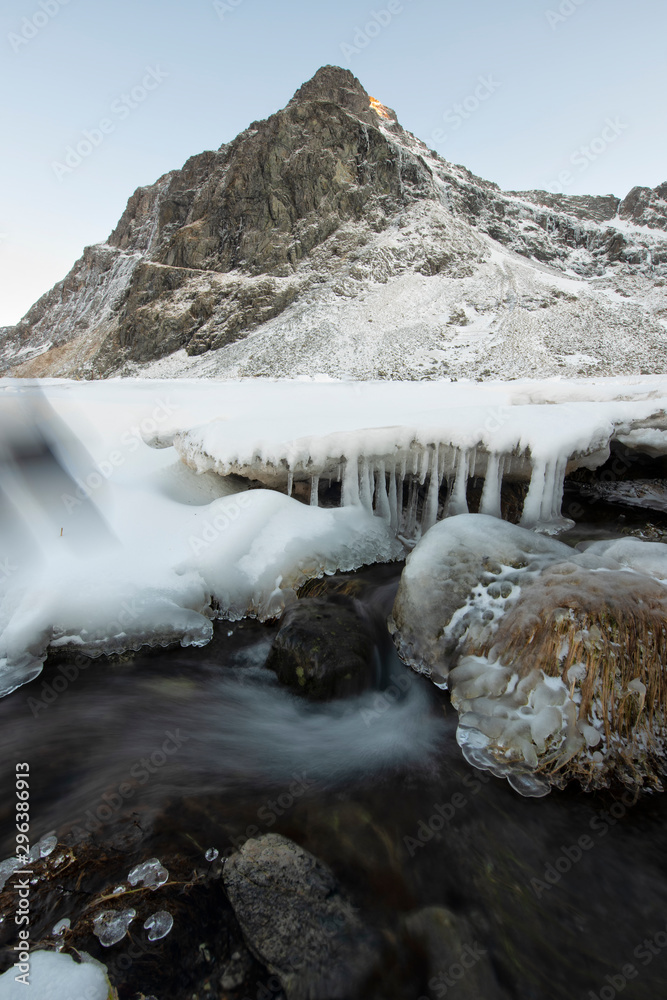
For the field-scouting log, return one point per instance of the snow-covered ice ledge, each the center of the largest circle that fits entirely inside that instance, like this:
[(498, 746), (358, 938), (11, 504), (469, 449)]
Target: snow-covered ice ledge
[(118, 545), (375, 437)]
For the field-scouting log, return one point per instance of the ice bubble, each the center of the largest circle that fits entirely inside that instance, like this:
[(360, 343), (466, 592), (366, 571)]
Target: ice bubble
[(528, 785), (47, 845), (159, 925), (151, 873), (577, 672), (111, 926), (61, 927), (7, 869), (212, 854), (589, 733)]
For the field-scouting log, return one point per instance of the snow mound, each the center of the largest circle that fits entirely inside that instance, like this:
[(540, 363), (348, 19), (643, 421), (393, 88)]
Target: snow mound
[(56, 976)]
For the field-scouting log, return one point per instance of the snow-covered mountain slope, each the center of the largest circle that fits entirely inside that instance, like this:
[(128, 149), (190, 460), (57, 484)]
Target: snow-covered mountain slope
[(327, 240)]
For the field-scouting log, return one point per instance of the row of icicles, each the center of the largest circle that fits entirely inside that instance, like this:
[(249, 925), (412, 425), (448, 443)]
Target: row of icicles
[(378, 485)]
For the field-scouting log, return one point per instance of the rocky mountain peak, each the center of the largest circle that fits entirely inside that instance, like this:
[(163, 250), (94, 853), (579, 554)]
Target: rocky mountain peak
[(346, 246), (339, 86)]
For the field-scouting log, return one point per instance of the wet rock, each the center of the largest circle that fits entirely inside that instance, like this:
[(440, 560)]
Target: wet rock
[(456, 959), (296, 921), (324, 649)]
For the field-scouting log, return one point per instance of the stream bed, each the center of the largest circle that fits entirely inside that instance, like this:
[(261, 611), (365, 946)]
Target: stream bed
[(182, 755)]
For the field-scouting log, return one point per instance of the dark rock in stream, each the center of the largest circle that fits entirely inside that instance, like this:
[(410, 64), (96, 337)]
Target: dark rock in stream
[(324, 649), (456, 959), (296, 921)]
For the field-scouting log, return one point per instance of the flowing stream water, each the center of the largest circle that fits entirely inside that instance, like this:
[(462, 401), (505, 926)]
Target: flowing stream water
[(178, 752)]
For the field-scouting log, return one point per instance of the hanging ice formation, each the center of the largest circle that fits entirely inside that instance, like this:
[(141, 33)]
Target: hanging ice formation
[(414, 488)]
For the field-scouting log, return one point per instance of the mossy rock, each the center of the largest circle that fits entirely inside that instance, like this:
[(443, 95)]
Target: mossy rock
[(324, 649)]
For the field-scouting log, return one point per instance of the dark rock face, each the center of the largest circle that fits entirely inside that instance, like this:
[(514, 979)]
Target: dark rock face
[(323, 649), (297, 923), (296, 209), (646, 207)]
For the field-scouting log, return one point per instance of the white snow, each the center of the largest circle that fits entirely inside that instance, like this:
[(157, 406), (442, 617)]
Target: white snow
[(136, 548), (56, 976)]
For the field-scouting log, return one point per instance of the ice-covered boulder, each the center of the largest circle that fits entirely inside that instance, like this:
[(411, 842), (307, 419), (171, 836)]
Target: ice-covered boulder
[(554, 657)]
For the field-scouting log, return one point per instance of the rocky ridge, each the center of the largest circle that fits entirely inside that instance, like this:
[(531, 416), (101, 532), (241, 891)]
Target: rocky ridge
[(329, 240)]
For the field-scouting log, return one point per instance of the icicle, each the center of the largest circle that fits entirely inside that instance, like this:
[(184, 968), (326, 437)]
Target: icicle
[(350, 492), (393, 500), (314, 491), (425, 459), (365, 494), (430, 513), (400, 490), (490, 502), (458, 500), (532, 505), (382, 501), (411, 515), (472, 462), (546, 507), (559, 485), (290, 483)]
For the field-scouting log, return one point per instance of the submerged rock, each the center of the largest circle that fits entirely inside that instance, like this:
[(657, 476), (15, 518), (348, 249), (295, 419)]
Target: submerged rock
[(296, 921), (554, 657), (456, 959), (324, 649)]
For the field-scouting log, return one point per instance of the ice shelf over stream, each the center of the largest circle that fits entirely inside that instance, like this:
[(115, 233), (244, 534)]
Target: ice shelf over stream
[(109, 544), (382, 440)]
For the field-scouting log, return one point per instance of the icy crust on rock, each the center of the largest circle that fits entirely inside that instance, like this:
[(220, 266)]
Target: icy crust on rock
[(459, 581), (553, 657), (56, 976), (644, 557)]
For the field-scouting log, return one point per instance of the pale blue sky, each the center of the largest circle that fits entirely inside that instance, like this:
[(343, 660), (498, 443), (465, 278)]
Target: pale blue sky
[(552, 83)]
